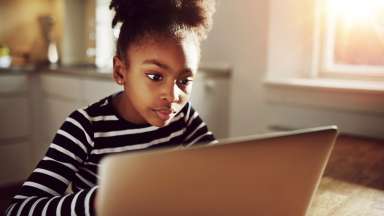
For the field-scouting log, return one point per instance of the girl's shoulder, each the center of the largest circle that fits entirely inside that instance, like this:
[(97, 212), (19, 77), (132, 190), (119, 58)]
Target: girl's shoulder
[(98, 110), (189, 111)]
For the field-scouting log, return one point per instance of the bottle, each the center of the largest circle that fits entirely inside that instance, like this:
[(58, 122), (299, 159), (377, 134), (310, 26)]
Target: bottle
[(53, 55), (5, 58)]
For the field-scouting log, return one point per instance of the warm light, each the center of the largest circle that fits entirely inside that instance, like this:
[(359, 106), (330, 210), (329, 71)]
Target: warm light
[(355, 36), (356, 11)]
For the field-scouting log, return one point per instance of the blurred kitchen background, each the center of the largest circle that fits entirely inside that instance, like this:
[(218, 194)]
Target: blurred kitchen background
[(55, 57), (267, 65)]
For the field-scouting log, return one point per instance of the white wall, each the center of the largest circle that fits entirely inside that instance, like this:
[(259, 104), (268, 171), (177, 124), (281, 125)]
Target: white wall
[(239, 38), (275, 38)]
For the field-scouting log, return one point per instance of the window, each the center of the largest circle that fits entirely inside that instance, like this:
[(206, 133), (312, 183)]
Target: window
[(354, 37)]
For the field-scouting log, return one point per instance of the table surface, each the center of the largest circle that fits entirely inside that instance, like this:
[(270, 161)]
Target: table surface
[(336, 197), (353, 182)]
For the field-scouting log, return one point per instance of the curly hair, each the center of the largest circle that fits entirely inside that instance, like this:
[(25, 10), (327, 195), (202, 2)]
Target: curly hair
[(163, 17)]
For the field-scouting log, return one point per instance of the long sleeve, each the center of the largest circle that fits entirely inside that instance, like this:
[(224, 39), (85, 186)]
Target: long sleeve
[(43, 193), (86, 136), (196, 129)]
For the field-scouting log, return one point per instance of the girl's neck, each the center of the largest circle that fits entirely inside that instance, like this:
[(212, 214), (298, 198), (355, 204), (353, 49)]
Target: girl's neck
[(125, 110)]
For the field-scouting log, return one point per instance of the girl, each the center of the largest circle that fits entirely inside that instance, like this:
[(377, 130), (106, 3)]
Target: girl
[(156, 61)]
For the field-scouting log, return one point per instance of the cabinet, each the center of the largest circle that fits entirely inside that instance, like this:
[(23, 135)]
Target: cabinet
[(210, 97), (15, 124), (96, 89), (62, 94)]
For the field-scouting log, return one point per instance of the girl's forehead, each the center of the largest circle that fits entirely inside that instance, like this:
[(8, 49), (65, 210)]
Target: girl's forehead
[(156, 39), (182, 52)]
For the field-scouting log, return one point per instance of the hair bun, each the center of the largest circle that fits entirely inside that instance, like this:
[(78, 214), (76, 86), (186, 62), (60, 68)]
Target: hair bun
[(138, 10), (168, 17), (180, 12)]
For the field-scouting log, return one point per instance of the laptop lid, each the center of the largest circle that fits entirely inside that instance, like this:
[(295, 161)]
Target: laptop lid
[(272, 174)]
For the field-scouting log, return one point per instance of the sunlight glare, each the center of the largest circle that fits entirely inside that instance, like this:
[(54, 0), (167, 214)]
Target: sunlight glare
[(355, 11)]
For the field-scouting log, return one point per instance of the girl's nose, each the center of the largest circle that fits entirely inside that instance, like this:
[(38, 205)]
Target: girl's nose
[(171, 93)]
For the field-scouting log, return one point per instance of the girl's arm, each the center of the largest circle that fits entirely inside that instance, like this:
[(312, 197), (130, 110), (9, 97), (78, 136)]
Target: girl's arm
[(44, 191)]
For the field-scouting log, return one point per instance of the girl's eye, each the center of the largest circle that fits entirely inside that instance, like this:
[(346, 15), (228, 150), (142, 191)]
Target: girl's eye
[(154, 76), (185, 81)]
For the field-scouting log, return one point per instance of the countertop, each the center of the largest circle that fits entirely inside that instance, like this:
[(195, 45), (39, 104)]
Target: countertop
[(222, 71), (17, 70), (81, 71)]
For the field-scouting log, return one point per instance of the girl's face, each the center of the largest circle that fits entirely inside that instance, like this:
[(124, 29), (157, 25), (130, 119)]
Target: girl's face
[(157, 78)]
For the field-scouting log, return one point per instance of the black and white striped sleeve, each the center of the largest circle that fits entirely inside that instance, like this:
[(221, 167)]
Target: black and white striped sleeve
[(196, 130), (43, 193)]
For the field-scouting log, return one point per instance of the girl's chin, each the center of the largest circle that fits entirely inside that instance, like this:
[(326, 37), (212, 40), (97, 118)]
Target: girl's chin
[(160, 122), (161, 119)]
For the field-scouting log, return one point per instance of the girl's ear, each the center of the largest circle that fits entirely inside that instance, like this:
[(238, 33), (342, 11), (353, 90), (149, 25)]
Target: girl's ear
[(119, 70)]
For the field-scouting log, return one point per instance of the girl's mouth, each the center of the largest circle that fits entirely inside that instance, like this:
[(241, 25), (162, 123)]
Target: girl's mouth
[(164, 114)]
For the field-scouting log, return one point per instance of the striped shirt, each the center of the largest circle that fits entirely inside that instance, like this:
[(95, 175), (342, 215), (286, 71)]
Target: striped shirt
[(86, 136)]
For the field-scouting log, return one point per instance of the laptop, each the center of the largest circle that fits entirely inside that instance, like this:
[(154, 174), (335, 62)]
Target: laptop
[(272, 174)]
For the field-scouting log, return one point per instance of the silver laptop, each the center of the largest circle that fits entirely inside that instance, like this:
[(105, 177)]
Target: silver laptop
[(273, 174)]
